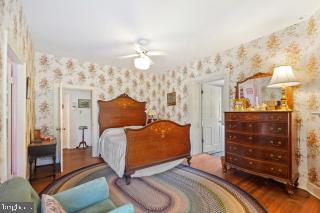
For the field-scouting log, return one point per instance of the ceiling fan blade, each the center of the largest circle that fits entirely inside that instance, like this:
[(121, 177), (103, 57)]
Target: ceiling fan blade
[(129, 56), (151, 53)]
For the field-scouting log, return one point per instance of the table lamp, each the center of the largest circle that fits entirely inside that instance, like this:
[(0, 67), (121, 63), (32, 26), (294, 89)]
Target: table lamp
[(283, 77)]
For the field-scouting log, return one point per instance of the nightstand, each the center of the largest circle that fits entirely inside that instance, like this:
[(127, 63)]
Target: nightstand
[(150, 120), (40, 150)]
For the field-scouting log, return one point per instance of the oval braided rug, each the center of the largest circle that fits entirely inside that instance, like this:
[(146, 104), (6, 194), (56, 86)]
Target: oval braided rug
[(182, 189)]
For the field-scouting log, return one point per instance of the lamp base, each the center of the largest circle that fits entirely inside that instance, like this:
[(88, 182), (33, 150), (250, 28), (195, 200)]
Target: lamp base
[(284, 102)]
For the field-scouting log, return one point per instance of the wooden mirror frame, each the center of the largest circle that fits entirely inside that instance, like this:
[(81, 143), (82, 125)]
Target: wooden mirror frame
[(288, 91), (257, 75)]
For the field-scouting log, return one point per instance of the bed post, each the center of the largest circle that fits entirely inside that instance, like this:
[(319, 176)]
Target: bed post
[(128, 179), (189, 160), (127, 176)]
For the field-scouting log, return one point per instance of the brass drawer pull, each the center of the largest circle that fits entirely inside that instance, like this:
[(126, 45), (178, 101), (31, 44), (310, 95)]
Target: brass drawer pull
[(279, 143), (279, 129), (279, 157), (250, 138), (279, 118), (250, 125), (232, 137), (250, 150), (271, 117), (271, 129), (250, 162), (234, 116), (232, 148), (232, 126), (233, 159), (279, 170)]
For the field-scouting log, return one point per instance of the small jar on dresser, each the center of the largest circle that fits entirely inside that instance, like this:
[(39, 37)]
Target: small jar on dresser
[(262, 143)]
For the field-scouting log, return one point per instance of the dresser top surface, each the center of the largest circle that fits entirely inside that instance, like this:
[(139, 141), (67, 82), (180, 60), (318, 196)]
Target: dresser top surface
[(273, 111)]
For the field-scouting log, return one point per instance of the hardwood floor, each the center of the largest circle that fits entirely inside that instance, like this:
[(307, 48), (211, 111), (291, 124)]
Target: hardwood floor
[(269, 193), (73, 160)]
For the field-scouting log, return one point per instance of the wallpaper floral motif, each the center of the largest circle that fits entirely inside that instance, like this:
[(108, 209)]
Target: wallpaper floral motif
[(298, 46), (109, 82), (12, 19)]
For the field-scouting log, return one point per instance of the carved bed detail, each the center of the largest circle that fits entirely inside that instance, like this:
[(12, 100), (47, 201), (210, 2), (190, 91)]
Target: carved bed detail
[(159, 142), (162, 129)]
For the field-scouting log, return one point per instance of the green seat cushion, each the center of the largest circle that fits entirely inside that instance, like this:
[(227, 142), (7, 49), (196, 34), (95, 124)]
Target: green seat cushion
[(19, 190), (102, 206)]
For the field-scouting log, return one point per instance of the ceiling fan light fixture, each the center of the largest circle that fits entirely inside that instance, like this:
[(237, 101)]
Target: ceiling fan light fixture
[(142, 63)]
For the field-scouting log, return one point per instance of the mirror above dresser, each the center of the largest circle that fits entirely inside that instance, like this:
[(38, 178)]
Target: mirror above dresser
[(253, 92)]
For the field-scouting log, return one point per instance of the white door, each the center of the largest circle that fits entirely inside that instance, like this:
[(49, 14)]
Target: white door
[(66, 121), (16, 119), (10, 160), (61, 126), (194, 101), (58, 123), (211, 118)]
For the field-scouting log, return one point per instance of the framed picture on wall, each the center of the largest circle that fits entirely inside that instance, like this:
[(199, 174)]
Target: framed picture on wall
[(171, 99), (84, 103)]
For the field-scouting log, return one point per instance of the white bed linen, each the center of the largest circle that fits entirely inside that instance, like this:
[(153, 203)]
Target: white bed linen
[(112, 147)]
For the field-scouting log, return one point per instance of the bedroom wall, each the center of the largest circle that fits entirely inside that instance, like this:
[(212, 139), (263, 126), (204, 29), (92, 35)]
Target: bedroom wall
[(298, 46), (12, 19), (109, 82)]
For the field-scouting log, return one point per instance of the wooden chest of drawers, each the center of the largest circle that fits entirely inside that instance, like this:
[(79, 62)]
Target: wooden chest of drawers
[(263, 144)]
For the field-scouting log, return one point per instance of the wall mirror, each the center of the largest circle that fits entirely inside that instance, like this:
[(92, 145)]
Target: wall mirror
[(255, 90)]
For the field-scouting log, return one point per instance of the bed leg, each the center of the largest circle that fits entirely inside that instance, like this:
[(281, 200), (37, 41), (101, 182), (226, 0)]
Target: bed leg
[(189, 160), (128, 178)]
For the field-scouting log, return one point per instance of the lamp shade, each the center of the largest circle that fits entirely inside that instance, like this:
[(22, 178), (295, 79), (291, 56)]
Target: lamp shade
[(142, 63), (283, 77)]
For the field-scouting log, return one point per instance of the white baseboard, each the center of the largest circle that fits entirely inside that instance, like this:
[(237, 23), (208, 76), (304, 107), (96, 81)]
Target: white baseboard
[(309, 187), (313, 189)]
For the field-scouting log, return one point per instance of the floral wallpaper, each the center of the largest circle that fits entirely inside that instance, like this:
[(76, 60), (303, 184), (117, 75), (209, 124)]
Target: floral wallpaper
[(12, 19), (109, 82), (298, 46)]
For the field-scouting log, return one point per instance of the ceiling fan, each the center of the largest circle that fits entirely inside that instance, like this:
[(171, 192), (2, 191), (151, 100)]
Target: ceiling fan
[(142, 59)]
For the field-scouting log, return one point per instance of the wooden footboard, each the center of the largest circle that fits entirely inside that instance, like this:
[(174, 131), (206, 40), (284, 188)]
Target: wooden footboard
[(159, 142)]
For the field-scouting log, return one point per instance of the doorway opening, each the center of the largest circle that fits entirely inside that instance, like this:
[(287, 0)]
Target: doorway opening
[(77, 115), (212, 105), (75, 112)]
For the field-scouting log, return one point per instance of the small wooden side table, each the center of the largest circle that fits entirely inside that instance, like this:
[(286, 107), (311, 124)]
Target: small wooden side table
[(150, 120), (40, 150)]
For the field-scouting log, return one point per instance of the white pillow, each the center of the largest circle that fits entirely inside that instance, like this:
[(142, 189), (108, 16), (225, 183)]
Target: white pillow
[(116, 131), (51, 205)]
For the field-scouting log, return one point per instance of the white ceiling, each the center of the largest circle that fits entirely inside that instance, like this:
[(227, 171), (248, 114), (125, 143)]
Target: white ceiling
[(101, 30)]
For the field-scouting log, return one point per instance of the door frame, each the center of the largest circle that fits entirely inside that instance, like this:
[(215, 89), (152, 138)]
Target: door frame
[(195, 106), (21, 113), (94, 112)]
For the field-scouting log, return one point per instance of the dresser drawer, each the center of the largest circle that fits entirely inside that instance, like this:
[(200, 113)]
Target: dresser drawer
[(258, 140), (257, 116), (258, 153), (258, 128), (267, 168)]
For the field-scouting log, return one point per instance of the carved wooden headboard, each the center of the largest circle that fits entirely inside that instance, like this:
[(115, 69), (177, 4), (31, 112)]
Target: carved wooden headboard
[(121, 111)]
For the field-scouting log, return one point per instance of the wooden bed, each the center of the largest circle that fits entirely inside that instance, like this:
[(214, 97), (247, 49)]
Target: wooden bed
[(159, 142)]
